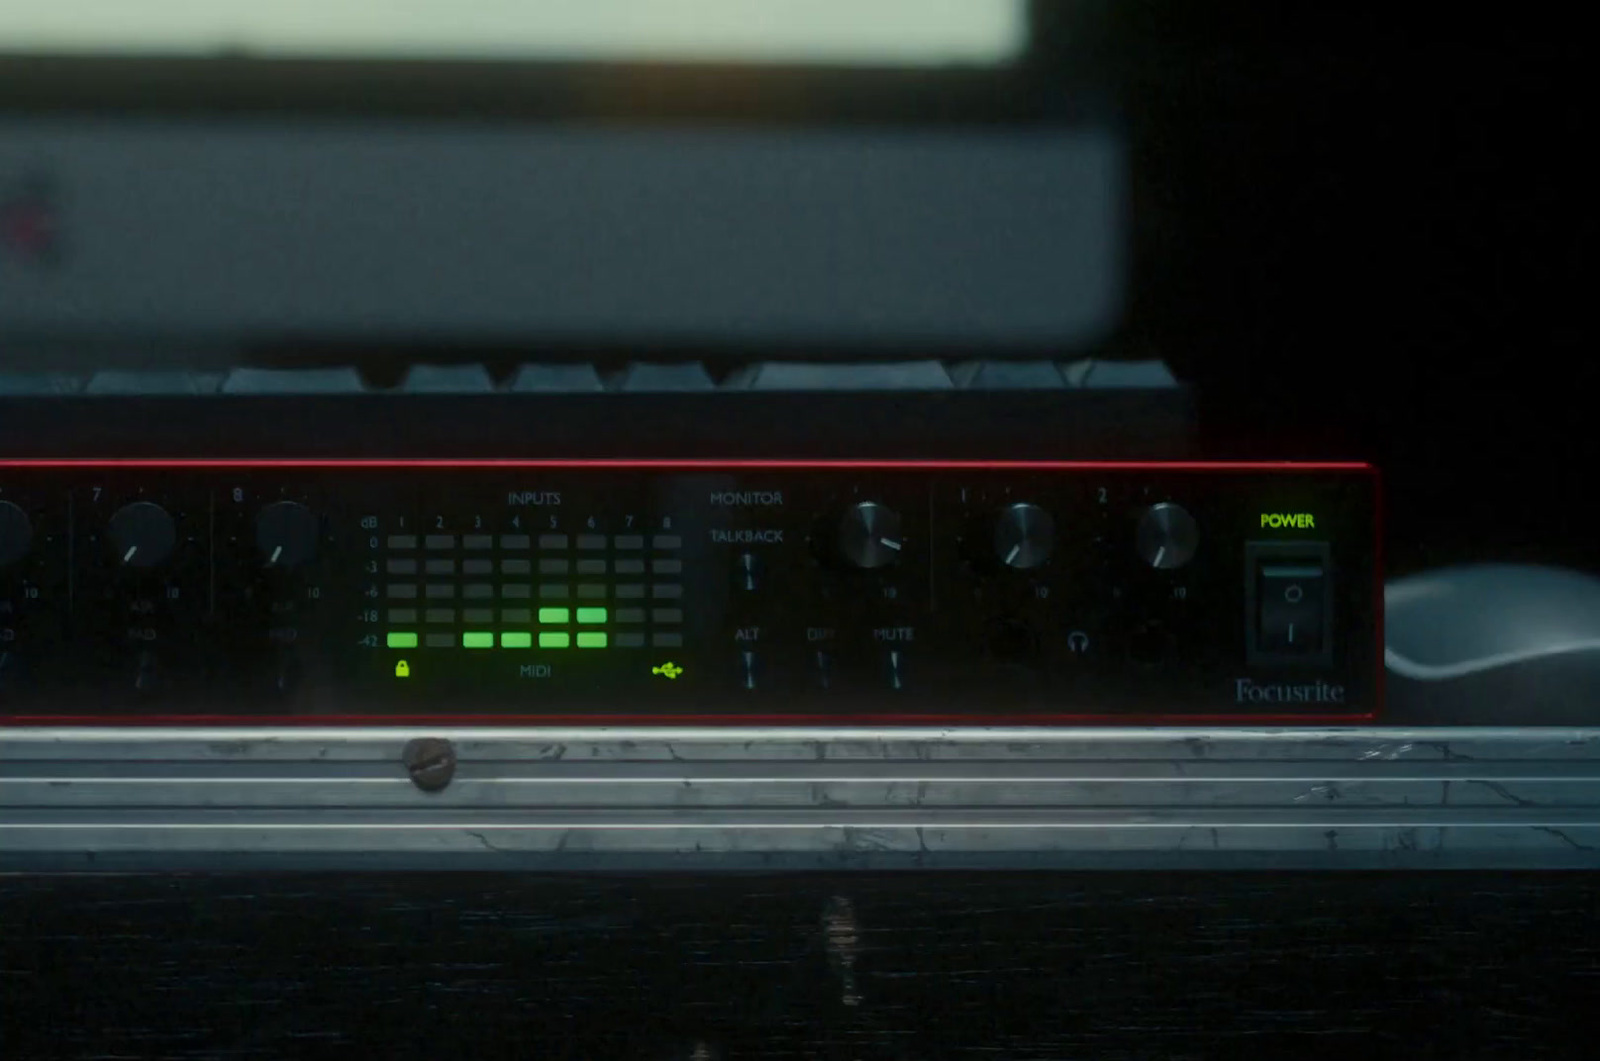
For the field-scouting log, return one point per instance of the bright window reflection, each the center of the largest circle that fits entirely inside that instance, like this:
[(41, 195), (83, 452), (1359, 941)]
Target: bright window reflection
[(866, 32)]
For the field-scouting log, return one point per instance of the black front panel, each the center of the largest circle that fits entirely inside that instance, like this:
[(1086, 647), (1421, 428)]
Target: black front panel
[(673, 592)]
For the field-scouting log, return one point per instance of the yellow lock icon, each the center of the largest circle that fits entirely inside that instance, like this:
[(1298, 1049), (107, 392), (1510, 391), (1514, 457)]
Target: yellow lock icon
[(402, 669)]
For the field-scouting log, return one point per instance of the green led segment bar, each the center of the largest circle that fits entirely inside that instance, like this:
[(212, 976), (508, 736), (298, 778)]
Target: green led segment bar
[(477, 640), (555, 615), (402, 640), (590, 615), (548, 639), (592, 639), (516, 640)]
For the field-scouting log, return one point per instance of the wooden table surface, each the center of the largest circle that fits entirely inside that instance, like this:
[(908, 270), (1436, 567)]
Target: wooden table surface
[(901, 966)]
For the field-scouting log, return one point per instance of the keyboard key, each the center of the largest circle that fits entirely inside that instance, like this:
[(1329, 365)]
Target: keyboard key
[(1008, 375), (295, 381), (557, 378), (447, 379), (645, 376), (835, 376)]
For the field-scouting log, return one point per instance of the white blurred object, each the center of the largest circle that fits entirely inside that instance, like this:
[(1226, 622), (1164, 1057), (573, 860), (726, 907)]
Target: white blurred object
[(889, 32), (910, 241)]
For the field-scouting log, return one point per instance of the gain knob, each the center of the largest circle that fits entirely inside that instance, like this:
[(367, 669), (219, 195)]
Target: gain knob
[(1024, 536), (1167, 537), (143, 534), (16, 533), (287, 535), (869, 536)]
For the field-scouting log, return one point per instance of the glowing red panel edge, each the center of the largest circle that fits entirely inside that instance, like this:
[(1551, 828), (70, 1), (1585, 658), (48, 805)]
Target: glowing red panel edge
[(728, 721)]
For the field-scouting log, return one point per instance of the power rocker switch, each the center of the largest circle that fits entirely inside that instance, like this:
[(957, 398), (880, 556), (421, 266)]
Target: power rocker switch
[(1290, 602)]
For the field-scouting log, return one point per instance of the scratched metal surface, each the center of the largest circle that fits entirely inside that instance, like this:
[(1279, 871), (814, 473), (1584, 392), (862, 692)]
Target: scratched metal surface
[(585, 799), (856, 967)]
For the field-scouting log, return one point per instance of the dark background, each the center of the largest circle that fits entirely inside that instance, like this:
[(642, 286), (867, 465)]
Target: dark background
[(1359, 234), (911, 967)]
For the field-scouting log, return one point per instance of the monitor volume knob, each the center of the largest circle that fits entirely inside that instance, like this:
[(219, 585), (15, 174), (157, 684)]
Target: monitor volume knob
[(869, 536), (1024, 536), (287, 535), (16, 533), (1167, 536), (142, 534)]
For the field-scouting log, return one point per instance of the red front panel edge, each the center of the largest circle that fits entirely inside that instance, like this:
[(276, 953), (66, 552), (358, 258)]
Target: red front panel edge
[(724, 721)]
